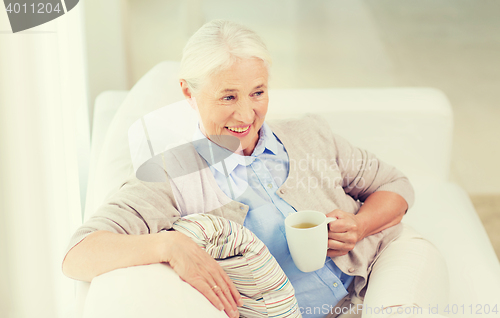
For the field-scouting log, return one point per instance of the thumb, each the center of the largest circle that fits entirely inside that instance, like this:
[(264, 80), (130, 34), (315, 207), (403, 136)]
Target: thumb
[(334, 214)]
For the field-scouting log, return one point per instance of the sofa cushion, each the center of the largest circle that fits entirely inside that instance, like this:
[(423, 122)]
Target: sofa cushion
[(264, 287)]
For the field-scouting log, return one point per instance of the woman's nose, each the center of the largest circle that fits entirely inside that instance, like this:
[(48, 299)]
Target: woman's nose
[(244, 112)]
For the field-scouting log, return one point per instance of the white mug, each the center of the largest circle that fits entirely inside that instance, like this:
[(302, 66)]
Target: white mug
[(308, 246)]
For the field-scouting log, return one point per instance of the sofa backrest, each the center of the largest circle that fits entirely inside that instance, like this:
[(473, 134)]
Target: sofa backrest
[(410, 128)]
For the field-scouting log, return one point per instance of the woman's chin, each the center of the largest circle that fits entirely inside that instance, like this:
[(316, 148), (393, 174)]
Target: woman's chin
[(237, 142)]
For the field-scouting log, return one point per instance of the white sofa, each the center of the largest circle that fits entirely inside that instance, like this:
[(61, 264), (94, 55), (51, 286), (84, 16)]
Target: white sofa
[(410, 128)]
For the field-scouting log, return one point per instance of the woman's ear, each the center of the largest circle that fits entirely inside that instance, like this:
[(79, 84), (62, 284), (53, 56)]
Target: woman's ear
[(185, 89), (187, 93)]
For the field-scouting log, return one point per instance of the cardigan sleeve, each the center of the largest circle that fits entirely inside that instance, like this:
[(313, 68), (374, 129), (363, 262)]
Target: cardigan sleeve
[(138, 207), (363, 173)]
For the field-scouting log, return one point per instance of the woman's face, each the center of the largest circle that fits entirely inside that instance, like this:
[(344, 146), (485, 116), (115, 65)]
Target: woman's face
[(234, 102)]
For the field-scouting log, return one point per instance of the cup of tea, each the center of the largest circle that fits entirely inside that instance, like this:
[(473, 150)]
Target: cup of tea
[(307, 237)]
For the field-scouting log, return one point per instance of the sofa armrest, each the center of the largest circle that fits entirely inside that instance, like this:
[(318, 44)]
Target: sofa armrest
[(153, 291), (444, 214)]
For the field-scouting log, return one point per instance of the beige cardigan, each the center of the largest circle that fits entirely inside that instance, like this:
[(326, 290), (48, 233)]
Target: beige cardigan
[(325, 173)]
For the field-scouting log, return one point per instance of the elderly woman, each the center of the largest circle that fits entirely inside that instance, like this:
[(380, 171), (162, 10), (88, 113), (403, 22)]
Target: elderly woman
[(267, 175)]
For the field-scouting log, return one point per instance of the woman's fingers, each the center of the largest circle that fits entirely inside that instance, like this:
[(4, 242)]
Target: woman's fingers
[(339, 236), (346, 237), (208, 292), (216, 289), (340, 246), (195, 266), (233, 291), (230, 308), (222, 289), (206, 285), (336, 245), (333, 253), (337, 248)]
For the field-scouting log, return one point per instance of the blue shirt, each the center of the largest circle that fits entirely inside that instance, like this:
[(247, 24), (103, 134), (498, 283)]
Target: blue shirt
[(254, 180)]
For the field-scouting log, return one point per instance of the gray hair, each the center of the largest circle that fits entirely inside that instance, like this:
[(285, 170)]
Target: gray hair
[(215, 47)]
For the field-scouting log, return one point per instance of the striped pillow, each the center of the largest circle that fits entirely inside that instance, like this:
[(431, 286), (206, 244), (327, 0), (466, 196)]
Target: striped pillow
[(264, 287)]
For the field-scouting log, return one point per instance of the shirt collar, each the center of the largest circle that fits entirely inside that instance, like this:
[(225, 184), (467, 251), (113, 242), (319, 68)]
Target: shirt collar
[(266, 141), (212, 152)]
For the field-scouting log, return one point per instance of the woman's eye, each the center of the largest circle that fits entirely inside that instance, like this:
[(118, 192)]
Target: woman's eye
[(230, 97), (259, 93)]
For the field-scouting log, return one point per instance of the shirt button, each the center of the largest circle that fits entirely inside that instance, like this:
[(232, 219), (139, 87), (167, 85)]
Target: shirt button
[(351, 269), (335, 284), (270, 186)]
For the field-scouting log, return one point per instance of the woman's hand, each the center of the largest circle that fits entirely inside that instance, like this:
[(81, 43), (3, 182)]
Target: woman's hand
[(200, 270), (344, 233)]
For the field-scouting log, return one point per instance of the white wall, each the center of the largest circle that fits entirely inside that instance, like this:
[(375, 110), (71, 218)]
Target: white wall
[(105, 25)]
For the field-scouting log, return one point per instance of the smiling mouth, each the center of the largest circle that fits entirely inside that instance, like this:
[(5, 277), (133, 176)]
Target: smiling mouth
[(238, 129)]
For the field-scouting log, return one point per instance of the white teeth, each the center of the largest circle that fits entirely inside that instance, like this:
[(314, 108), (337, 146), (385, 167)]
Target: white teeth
[(240, 130)]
